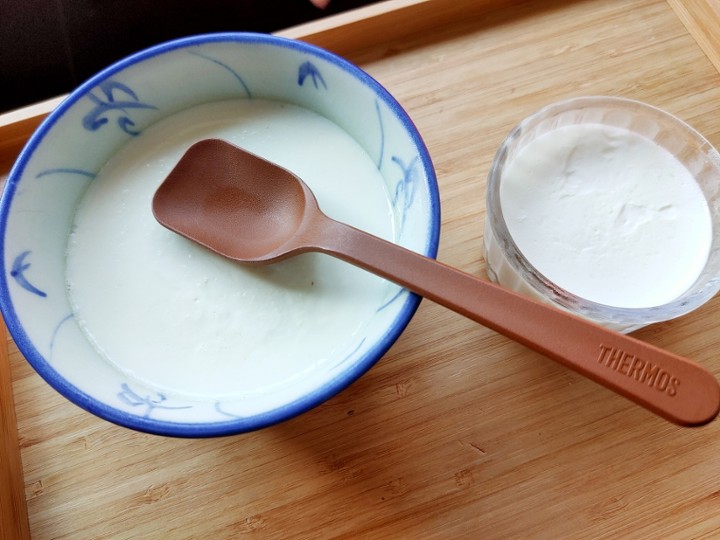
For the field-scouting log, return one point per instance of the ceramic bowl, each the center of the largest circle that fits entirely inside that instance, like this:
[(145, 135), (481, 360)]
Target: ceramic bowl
[(508, 264), (69, 149)]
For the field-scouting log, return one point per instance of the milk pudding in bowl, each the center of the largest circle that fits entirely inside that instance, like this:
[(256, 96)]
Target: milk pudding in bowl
[(607, 207), (151, 331)]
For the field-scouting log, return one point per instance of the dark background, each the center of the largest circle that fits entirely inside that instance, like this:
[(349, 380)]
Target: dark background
[(47, 47)]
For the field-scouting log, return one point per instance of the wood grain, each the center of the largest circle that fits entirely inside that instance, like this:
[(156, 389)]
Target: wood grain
[(702, 20), (14, 524), (456, 432)]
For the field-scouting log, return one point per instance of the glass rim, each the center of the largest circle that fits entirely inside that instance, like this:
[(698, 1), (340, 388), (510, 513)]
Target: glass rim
[(697, 294)]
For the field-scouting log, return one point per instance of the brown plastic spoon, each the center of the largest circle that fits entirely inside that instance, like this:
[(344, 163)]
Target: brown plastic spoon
[(251, 210)]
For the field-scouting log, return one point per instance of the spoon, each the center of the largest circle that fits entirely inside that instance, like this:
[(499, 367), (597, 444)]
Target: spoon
[(253, 211)]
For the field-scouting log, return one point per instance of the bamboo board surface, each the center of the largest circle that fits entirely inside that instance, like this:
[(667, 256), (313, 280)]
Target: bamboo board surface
[(457, 432), (14, 524)]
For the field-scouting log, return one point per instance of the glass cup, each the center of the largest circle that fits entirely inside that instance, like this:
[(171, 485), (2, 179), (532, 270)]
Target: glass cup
[(508, 266)]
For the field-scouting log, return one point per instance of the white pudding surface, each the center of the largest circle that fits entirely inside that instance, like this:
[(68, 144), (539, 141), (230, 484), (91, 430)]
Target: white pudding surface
[(181, 319), (607, 215)]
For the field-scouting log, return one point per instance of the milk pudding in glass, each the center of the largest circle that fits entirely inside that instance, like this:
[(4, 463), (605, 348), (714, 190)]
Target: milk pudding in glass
[(184, 320), (594, 205), (587, 202)]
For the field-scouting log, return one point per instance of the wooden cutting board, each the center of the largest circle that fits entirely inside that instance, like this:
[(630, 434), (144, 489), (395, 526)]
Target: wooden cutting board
[(457, 432)]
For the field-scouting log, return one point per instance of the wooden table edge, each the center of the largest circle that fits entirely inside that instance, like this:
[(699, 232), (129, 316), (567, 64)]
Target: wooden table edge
[(14, 522)]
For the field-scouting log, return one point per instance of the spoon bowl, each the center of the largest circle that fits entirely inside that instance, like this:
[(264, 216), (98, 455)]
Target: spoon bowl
[(253, 211), (252, 214)]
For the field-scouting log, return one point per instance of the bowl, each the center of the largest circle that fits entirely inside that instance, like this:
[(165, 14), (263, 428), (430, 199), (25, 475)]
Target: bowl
[(117, 314), (581, 215)]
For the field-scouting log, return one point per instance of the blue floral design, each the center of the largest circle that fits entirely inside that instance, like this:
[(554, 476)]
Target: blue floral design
[(226, 67), (406, 187), (65, 170), (132, 398), (397, 295), (219, 410), (382, 134), (55, 333), (308, 69), (116, 97), (350, 354), (19, 267)]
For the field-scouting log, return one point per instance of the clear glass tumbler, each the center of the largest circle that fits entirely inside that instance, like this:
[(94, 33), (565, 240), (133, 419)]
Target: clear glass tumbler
[(508, 266)]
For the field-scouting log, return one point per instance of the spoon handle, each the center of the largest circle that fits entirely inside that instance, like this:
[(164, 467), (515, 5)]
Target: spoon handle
[(669, 385)]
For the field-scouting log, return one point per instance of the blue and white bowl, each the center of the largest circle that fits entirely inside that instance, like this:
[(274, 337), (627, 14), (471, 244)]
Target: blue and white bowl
[(71, 146)]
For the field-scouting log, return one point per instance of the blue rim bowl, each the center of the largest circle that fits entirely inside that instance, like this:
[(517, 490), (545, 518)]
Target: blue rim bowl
[(95, 120)]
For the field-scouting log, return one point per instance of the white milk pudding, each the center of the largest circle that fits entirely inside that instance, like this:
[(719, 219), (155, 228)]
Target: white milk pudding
[(187, 321), (607, 214)]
